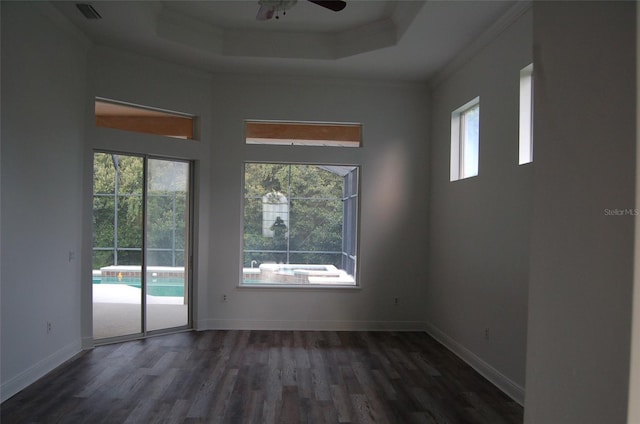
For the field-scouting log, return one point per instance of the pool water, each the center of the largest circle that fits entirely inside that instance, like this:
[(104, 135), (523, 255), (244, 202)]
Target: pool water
[(155, 286)]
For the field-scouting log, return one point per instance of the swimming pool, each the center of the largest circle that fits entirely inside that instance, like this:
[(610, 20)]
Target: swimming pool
[(156, 286)]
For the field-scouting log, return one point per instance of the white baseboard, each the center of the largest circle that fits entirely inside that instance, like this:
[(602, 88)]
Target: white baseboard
[(510, 388), (38, 370), (88, 343), (231, 324)]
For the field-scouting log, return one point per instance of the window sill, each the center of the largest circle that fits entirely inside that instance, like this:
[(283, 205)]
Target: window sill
[(299, 286)]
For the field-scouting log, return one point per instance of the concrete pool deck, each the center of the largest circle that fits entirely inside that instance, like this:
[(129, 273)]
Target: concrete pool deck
[(123, 293), (116, 311), (297, 274)]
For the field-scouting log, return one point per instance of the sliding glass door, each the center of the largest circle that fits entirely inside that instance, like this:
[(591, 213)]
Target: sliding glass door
[(141, 245), (167, 237)]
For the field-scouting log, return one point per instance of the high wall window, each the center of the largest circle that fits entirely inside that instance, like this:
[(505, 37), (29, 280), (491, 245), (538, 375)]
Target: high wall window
[(303, 133), (300, 224), (127, 117), (465, 140), (526, 116)]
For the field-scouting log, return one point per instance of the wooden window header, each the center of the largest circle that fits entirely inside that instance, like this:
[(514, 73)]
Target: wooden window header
[(139, 119), (303, 134)]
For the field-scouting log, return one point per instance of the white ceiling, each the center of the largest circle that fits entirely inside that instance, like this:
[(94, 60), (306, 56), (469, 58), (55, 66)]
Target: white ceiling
[(372, 39)]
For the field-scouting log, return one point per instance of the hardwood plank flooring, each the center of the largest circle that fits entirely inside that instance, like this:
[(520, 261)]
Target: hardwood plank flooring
[(265, 377)]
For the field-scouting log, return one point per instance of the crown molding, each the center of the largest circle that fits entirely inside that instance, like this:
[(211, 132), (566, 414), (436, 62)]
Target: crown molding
[(479, 43)]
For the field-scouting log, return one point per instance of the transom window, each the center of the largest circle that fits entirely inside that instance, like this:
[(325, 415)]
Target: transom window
[(300, 225), (303, 133), (128, 117)]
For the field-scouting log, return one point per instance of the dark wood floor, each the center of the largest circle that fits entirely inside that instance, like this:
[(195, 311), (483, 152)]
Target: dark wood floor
[(265, 377)]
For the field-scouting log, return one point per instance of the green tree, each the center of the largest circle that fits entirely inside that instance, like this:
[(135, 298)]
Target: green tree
[(126, 216), (166, 210), (315, 212)]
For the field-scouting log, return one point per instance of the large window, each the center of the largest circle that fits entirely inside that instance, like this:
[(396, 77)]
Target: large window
[(300, 224), (465, 140)]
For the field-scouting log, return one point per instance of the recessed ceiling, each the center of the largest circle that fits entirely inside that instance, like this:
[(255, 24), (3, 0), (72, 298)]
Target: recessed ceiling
[(304, 16), (390, 40)]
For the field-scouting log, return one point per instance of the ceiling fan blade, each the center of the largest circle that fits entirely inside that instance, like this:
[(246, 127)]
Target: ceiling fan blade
[(265, 13), (335, 5)]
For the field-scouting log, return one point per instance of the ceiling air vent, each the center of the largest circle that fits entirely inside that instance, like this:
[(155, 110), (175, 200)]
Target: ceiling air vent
[(88, 11)]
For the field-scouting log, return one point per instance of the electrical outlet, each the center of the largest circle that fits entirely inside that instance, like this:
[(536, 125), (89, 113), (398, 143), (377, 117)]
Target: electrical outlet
[(49, 327), (486, 333), (225, 298), (396, 301)]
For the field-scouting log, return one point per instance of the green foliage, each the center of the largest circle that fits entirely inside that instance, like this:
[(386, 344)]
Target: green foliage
[(314, 223), (166, 210), (315, 214)]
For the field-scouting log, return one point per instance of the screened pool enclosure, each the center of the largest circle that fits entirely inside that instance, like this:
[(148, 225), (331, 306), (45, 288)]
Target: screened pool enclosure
[(300, 224)]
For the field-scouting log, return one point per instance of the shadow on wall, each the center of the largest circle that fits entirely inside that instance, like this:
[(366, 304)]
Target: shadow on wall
[(394, 248), (389, 185)]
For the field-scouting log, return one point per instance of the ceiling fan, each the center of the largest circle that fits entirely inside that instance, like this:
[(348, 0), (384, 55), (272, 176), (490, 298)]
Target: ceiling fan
[(269, 8)]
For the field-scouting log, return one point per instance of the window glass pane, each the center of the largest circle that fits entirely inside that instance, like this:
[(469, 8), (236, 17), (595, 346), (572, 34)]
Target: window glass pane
[(167, 213), (104, 173), (294, 219), (103, 224), (102, 258), (470, 141), (315, 182), (526, 115), (117, 245), (465, 140), (129, 229), (129, 256), (316, 225), (167, 219)]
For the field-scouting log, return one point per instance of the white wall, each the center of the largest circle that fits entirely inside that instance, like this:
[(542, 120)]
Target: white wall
[(634, 379), (580, 287), (43, 92), (479, 227), (393, 207), (393, 194), (131, 78), (49, 136)]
